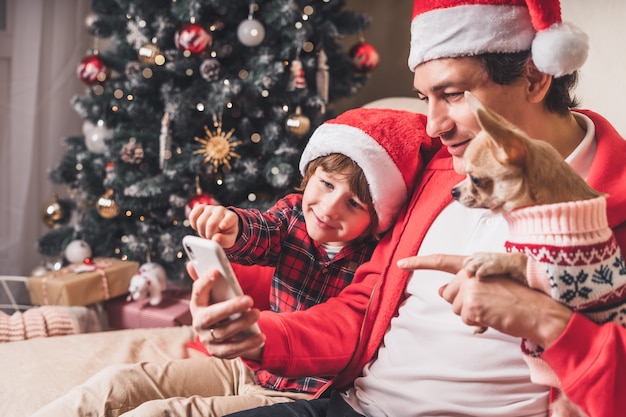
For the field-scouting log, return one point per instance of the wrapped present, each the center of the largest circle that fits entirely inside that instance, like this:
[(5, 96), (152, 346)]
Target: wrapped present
[(173, 310), (14, 295), (83, 283)]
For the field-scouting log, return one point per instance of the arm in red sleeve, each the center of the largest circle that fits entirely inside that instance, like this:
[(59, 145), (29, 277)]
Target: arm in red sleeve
[(317, 341), (590, 361), (255, 281), (323, 339)]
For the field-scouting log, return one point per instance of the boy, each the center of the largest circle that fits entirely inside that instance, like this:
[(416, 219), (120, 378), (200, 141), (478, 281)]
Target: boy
[(357, 170)]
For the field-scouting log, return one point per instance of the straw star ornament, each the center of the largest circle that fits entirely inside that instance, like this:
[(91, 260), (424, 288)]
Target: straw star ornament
[(218, 147)]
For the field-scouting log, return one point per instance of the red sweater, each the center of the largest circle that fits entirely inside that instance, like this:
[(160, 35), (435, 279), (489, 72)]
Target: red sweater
[(590, 359)]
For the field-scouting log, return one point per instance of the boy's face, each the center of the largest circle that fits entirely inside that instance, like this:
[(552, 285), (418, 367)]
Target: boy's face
[(333, 213), (442, 83)]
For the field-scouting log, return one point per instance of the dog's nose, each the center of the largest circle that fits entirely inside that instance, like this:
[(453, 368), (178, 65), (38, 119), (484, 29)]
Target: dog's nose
[(455, 193)]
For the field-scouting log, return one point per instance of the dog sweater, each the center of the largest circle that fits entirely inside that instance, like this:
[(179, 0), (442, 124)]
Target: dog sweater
[(572, 243)]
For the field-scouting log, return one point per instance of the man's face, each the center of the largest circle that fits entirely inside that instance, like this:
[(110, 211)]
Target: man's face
[(442, 83)]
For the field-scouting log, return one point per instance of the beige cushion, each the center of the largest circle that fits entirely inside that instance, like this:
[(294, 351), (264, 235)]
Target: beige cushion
[(37, 371), (399, 103)]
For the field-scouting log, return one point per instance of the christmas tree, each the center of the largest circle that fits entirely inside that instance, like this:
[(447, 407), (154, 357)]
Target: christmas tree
[(194, 101)]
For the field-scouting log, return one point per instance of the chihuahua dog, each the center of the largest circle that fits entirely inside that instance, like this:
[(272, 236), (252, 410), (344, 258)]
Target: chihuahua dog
[(548, 207), (506, 170)]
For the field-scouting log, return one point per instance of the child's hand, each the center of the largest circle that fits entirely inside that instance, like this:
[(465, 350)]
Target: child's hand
[(216, 223)]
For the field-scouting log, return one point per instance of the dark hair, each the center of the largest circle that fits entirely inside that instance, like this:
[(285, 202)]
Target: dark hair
[(339, 163), (504, 68)]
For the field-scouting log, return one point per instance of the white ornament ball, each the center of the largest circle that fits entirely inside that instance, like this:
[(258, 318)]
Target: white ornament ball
[(250, 32), (95, 135), (77, 251)]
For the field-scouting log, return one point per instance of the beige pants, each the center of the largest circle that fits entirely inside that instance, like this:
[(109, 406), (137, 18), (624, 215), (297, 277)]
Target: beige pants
[(198, 386)]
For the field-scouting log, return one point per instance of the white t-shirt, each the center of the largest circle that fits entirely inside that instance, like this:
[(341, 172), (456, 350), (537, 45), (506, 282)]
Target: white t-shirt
[(331, 251), (431, 363), (470, 375)]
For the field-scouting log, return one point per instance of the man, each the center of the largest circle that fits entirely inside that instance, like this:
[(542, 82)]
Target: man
[(392, 337)]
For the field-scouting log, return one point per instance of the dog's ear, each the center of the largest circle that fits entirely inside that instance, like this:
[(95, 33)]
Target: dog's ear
[(510, 142)]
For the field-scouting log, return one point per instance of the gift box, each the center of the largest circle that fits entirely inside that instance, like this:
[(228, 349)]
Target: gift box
[(173, 310), (14, 295), (83, 284)]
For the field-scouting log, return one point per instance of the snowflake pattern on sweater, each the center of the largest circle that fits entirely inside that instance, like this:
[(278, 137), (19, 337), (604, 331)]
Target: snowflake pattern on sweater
[(573, 243)]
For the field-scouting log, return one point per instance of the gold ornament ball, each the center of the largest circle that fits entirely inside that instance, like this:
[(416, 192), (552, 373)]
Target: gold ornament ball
[(55, 213), (298, 124), (149, 53), (106, 205)]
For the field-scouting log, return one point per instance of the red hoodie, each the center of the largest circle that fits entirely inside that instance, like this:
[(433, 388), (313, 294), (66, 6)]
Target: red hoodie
[(589, 359)]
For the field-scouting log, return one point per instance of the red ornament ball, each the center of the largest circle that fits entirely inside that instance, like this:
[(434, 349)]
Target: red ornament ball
[(193, 38), (200, 198), (92, 70), (365, 57)]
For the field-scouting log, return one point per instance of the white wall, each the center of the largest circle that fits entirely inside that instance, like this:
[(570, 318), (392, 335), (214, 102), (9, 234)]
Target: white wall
[(602, 85)]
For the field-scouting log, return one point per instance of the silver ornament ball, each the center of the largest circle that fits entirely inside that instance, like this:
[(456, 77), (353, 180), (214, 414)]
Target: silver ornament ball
[(250, 32)]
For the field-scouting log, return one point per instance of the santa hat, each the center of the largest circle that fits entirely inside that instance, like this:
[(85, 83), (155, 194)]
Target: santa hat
[(384, 143), (454, 28)]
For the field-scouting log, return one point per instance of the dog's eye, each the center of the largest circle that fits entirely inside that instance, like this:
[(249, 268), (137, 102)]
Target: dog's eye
[(482, 183)]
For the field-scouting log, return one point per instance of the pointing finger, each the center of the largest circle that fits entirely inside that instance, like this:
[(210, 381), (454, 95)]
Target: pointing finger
[(439, 262)]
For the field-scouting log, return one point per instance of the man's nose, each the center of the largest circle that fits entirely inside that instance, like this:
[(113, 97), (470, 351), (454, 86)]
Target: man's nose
[(438, 123)]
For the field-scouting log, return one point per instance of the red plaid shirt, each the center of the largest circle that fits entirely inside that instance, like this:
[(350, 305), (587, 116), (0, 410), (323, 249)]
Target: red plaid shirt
[(304, 276)]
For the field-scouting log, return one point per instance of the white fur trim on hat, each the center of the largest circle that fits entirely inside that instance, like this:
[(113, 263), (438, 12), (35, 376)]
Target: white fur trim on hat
[(386, 184), (469, 30), (444, 29)]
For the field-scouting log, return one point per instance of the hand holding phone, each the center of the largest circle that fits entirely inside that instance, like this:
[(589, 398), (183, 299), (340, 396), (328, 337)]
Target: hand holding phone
[(207, 255)]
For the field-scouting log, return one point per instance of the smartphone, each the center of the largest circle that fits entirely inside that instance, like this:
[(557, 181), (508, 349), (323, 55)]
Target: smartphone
[(208, 255)]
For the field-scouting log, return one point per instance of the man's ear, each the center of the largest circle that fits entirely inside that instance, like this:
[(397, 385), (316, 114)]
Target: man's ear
[(538, 83)]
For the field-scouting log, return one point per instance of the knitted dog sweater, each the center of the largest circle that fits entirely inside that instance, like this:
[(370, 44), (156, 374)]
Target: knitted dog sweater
[(573, 244)]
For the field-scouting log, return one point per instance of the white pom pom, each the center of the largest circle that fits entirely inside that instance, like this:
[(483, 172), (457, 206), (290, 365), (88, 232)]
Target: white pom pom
[(560, 50)]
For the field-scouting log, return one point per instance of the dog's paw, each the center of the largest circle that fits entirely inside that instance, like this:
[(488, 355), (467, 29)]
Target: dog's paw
[(480, 329), (484, 264)]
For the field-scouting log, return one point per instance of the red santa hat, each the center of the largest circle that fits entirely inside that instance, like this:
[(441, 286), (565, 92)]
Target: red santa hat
[(453, 28), (384, 143)]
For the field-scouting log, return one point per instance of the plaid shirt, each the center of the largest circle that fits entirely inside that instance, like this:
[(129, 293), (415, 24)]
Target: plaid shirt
[(304, 276)]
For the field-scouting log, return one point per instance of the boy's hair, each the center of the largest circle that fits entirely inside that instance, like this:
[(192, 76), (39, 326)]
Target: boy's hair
[(339, 163), (505, 68)]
